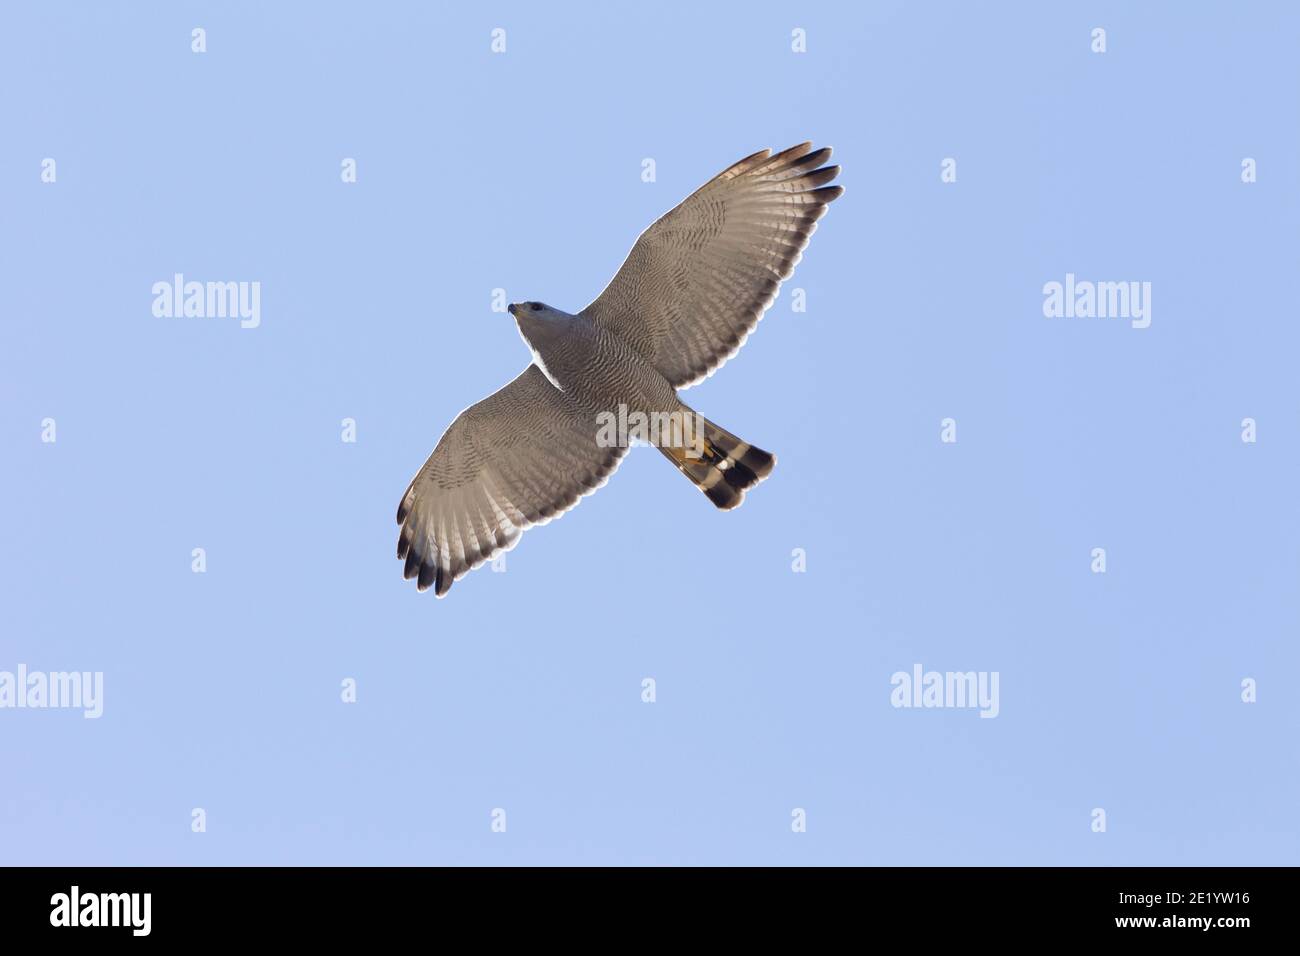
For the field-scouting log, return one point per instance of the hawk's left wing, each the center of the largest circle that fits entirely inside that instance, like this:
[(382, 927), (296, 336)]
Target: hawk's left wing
[(697, 281)]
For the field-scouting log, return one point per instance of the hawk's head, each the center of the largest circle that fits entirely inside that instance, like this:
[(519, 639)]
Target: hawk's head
[(538, 322), (533, 310), (541, 327)]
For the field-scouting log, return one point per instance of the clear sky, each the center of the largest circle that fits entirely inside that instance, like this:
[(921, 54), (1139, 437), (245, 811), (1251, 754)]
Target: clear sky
[(522, 691)]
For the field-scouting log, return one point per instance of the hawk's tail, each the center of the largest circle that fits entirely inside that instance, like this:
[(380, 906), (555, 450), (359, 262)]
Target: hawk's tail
[(720, 464)]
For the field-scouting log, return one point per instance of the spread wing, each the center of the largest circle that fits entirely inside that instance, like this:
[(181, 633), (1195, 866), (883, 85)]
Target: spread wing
[(520, 457), (697, 281)]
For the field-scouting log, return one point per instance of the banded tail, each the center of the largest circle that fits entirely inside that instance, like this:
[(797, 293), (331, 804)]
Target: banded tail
[(721, 465)]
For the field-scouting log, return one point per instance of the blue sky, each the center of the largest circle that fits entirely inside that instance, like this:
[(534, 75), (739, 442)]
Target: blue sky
[(523, 691)]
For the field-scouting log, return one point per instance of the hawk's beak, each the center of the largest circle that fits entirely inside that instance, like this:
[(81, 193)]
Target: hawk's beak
[(511, 308)]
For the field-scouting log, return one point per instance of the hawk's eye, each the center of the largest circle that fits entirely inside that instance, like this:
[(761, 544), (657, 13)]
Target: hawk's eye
[(536, 307)]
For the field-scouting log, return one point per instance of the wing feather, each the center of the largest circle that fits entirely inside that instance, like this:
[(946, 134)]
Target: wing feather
[(522, 456), (699, 279)]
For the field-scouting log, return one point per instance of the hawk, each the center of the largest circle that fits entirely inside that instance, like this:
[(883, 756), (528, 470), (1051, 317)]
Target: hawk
[(691, 290)]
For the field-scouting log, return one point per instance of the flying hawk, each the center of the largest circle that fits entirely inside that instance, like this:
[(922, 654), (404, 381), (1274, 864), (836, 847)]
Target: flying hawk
[(691, 290)]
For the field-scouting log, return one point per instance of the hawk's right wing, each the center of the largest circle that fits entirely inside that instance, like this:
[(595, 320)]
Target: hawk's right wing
[(520, 457), (697, 281)]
